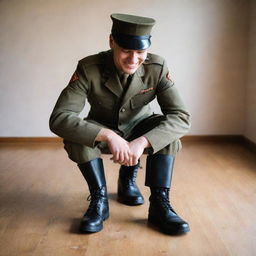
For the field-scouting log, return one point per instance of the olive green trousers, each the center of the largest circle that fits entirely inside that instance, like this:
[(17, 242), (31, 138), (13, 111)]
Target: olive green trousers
[(80, 153)]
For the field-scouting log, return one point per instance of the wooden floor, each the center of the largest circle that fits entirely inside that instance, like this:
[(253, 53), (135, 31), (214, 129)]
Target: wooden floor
[(43, 196)]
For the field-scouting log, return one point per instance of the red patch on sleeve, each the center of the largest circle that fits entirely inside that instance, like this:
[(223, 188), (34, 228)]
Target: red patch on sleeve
[(74, 77)]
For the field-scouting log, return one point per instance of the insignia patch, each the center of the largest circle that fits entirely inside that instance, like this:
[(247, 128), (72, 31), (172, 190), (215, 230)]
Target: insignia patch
[(74, 77), (146, 90), (168, 76)]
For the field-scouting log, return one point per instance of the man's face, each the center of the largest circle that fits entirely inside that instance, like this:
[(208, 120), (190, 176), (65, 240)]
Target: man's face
[(127, 60)]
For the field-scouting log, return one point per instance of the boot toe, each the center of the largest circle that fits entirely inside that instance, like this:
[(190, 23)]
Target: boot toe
[(131, 200), (170, 228), (91, 225), (176, 228), (137, 200)]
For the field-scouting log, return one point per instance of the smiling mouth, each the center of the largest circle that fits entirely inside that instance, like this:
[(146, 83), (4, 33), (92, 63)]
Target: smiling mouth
[(131, 66)]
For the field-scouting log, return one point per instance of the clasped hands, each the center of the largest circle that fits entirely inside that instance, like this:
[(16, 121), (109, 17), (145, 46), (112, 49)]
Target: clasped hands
[(123, 152)]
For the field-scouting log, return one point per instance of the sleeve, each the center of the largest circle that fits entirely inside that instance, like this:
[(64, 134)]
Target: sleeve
[(64, 120), (177, 122)]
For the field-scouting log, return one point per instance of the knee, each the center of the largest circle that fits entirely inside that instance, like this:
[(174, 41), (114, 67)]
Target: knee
[(171, 149), (79, 153)]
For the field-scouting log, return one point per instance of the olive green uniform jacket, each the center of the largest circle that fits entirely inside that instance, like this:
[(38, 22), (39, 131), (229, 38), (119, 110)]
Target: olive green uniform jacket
[(96, 79)]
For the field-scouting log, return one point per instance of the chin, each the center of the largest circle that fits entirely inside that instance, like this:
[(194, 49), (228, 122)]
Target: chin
[(130, 71)]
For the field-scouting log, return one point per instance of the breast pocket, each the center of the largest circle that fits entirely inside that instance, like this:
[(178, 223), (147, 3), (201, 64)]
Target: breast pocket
[(141, 100)]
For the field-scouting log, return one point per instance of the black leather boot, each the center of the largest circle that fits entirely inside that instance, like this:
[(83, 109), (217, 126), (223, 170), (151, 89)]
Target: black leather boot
[(128, 192), (162, 215), (98, 210), (158, 178)]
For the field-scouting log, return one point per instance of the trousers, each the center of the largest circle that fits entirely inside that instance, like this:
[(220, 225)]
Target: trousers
[(80, 153)]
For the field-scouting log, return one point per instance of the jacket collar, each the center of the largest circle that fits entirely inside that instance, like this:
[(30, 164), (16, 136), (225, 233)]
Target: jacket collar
[(112, 81)]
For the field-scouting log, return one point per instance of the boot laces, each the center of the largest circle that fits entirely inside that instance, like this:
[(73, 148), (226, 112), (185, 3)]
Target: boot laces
[(130, 173), (94, 199), (164, 199), (166, 203), (130, 181)]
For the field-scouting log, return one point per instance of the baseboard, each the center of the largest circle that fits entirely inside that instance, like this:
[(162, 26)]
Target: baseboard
[(221, 139), (189, 138), (30, 139), (250, 144), (213, 138)]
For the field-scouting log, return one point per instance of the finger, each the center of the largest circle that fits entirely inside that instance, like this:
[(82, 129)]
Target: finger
[(131, 160), (112, 159), (126, 164), (134, 160), (115, 157), (121, 157), (126, 157)]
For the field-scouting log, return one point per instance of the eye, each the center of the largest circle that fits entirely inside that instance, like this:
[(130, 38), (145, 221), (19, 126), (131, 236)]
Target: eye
[(141, 52), (125, 50)]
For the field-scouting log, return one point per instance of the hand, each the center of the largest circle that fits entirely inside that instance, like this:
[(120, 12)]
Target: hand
[(137, 147), (118, 146)]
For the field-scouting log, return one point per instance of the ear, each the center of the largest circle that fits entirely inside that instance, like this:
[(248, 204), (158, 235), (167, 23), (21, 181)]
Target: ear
[(111, 41)]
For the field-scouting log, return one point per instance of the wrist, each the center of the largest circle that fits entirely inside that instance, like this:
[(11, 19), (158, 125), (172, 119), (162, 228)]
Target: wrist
[(144, 141), (105, 134)]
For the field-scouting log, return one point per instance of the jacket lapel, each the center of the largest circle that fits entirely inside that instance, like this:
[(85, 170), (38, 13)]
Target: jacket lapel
[(135, 86), (111, 80)]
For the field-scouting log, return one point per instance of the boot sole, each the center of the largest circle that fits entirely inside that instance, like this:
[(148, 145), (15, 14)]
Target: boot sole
[(155, 222), (89, 229)]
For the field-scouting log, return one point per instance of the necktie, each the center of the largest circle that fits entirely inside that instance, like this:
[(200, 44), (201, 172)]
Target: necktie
[(124, 79)]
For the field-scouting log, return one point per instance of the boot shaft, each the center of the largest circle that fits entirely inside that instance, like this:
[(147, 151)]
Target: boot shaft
[(93, 172), (159, 170)]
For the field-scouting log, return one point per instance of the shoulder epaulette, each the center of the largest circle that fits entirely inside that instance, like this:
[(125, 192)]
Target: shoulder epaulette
[(154, 59)]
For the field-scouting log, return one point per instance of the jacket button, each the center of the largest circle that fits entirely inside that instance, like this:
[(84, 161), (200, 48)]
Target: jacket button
[(123, 110)]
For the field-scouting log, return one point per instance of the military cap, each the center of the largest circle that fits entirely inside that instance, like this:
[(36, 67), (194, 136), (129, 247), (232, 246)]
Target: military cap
[(132, 32)]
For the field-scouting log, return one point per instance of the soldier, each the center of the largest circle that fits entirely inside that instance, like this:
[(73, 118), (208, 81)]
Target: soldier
[(119, 84)]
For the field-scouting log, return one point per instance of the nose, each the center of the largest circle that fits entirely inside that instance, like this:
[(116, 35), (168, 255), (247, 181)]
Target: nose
[(133, 58)]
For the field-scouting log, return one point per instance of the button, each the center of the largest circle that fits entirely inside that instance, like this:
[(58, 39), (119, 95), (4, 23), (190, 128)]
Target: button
[(123, 110), (120, 123)]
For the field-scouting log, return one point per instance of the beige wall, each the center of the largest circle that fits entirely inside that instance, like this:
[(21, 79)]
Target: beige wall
[(205, 43), (250, 130)]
